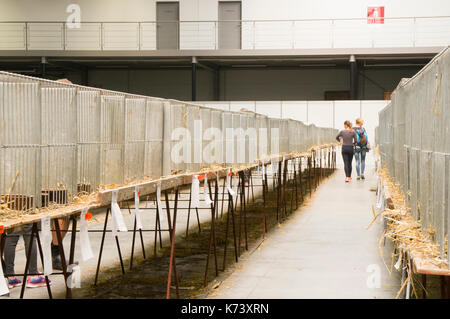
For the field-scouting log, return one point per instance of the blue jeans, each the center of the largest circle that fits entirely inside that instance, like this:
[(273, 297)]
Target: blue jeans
[(360, 157)]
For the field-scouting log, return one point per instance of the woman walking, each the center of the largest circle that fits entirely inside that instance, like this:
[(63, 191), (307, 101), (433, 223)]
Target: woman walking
[(348, 140)]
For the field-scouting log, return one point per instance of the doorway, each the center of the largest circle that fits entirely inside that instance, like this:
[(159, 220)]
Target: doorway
[(167, 25)]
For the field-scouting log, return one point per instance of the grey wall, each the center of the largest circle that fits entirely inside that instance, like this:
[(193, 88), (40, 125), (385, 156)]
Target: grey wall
[(387, 78), (294, 84), (246, 84)]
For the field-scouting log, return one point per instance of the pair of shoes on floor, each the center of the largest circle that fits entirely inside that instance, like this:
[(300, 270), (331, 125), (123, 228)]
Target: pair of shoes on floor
[(32, 282), (37, 281), (14, 282), (348, 179), (362, 176)]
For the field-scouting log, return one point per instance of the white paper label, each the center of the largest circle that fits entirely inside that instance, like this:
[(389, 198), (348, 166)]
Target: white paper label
[(137, 211), (399, 261), (379, 196), (45, 236), (206, 197), (229, 186), (272, 168), (118, 223), (3, 286), (85, 243), (195, 192), (158, 199)]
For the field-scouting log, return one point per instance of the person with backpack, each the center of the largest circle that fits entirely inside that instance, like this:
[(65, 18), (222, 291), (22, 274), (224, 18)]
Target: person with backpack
[(348, 139), (361, 148)]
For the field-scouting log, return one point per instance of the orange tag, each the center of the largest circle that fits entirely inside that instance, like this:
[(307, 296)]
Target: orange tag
[(229, 174), (88, 216), (139, 193), (2, 229), (207, 174), (200, 177)]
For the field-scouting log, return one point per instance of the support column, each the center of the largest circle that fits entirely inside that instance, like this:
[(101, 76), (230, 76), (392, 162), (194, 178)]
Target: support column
[(194, 78), (85, 76), (217, 84), (43, 67), (353, 78)]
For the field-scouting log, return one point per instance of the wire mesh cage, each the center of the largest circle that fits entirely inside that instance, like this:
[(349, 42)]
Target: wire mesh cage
[(88, 148), (274, 133), (134, 148), (20, 139), (59, 144), (214, 137), (112, 138), (154, 130), (262, 127), (413, 138)]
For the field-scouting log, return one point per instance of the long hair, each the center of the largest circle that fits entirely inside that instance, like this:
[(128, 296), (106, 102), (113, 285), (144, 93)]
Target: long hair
[(348, 125)]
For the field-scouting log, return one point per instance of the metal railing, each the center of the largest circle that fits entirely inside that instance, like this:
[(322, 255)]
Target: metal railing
[(414, 141), (59, 140), (206, 35)]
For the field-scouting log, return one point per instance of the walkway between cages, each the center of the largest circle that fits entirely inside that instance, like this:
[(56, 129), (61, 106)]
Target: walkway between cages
[(322, 251)]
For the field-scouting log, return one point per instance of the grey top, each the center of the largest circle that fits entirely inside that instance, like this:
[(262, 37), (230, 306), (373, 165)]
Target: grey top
[(348, 137)]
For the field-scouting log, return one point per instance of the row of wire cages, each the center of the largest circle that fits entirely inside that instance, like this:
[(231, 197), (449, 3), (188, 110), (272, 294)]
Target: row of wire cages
[(414, 141), (60, 142), (201, 137)]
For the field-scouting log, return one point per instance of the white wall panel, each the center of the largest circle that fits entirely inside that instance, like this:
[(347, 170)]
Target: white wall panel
[(296, 110), (198, 36), (432, 32), (369, 113), (270, 108), (121, 36), (313, 34), (12, 36), (87, 37), (148, 36), (320, 113), (45, 36), (273, 35), (352, 34), (346, 110), (393, 33), (238, 105)]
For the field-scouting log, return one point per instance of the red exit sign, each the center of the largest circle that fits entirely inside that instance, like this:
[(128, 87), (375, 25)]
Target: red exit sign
[(375, 15)]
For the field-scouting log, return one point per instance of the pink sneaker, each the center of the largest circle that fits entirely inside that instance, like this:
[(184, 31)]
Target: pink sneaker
[(37, 281), (14, 282)]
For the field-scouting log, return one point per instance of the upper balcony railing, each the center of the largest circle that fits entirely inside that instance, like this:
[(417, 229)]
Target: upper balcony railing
[(215, 35)]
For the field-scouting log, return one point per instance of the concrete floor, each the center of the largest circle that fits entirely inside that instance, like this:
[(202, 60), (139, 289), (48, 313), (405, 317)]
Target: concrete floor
[(322, 251)]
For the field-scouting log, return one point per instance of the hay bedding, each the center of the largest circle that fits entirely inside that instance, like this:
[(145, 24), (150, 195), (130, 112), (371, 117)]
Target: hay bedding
[(406, 233)]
